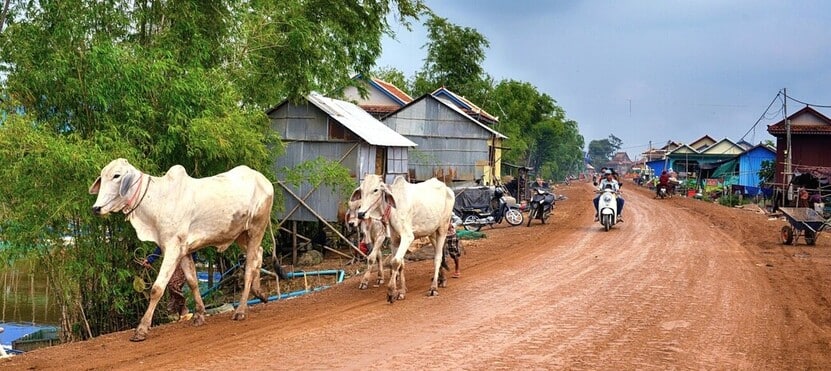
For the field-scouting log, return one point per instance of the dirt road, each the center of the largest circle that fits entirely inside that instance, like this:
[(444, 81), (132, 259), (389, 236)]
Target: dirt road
[(682, 284)]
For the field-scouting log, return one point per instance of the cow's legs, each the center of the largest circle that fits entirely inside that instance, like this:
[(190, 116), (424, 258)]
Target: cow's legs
[(438, 240), (376, 237), (189, 268), (169, 262), (373, 259), (397, 268), (379, 259), (253, 262)]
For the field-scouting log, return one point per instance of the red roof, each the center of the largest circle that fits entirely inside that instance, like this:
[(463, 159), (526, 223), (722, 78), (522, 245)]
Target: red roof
[(378, 108), (394, 90), (800, 129), (780, 127)]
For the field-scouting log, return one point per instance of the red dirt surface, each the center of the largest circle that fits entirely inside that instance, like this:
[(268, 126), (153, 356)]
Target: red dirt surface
[(682, 284)]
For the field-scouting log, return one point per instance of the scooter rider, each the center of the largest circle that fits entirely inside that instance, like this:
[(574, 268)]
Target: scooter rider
[(609, 181), (663, 181)]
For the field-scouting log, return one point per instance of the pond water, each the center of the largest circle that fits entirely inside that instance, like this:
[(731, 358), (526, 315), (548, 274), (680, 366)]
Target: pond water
[(24, 296)]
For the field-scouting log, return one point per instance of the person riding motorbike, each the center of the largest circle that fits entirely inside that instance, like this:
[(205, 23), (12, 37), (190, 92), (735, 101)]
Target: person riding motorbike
[(663, 181), (608, 181)]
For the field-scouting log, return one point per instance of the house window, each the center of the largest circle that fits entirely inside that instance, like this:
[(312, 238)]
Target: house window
[(380, 160), (338, 131)]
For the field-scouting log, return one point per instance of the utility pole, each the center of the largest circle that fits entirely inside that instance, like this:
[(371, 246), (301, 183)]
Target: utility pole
[(788, 157)]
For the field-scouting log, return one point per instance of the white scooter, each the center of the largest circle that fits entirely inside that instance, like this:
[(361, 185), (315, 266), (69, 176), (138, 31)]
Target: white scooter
[(607, 206)]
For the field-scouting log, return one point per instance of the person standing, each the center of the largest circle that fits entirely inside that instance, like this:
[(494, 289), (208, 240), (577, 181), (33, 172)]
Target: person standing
[(176, 302)]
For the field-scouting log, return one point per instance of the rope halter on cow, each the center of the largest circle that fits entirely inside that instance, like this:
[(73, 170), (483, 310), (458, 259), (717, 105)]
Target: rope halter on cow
[(135, 195), (387, 208)]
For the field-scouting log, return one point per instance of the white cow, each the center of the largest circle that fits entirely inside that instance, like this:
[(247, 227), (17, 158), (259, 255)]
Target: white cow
[(182, 215), (373, 233), (411, 211)]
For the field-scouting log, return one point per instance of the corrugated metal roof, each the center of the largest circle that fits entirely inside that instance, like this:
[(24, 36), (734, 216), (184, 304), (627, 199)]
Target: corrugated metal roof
[(469, 106), (475, 121), (360, 122)]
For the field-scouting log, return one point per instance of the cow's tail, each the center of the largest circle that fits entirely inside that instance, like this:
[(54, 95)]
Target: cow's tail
[(278, 269)]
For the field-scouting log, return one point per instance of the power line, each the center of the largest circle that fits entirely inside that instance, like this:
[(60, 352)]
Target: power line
[(779, 94), (808, 104)]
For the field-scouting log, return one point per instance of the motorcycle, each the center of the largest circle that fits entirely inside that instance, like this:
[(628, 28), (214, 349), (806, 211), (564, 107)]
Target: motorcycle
[(607, 206), (662, 191), (474, 219), (542, 203)]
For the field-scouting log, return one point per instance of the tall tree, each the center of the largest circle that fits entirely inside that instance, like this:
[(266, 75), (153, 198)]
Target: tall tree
[(539, 134), (393, 76), (602, 150), (454, 60), (160, 83)]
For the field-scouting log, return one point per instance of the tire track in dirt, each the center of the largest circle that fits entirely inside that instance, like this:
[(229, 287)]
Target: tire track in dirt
[(669, 288)]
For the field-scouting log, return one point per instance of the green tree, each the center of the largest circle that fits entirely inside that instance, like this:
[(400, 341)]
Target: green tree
[(454, 60), (298, 46), (602, 150), (159, 83), (393, 76), (539, 134)]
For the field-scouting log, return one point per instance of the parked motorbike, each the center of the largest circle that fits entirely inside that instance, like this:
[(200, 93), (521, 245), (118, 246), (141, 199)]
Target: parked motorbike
[(542, 203), (475, 219), (607, 206)]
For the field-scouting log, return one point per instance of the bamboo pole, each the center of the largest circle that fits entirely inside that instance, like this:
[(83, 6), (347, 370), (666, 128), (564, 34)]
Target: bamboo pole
[(46, 301), (32, 292), (322, 220), (3, 318), (301, 201)]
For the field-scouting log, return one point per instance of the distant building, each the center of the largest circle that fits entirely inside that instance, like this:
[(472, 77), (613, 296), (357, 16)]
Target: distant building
[(620, 162), (810, 143), (382, 97)]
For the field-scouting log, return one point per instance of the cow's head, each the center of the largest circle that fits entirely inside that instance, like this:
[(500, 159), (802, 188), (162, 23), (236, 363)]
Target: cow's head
[(374, 195), (351, 214), (113, 186)]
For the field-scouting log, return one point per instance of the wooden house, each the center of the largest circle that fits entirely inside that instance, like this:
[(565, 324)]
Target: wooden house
[(810, 133), (338, 131), (452, 145), (704, 154)]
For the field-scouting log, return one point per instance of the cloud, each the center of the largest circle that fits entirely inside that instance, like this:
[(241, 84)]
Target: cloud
[(649, 70)]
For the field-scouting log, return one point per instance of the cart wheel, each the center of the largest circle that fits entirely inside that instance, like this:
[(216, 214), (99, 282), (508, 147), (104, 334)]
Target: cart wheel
[(787, 235), (810, 237)]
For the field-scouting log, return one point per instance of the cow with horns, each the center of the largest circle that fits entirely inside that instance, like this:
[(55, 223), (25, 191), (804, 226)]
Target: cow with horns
[(410, 211)]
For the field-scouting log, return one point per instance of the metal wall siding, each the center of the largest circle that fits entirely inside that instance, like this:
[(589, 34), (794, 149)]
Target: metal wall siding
[(304, 129), (323, 201), (300, 122), (446, 140)]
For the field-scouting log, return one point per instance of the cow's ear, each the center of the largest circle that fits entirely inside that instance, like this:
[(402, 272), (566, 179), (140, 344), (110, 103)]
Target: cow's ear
[(388, 195), (96, 185), (356, 195), (126, 182)]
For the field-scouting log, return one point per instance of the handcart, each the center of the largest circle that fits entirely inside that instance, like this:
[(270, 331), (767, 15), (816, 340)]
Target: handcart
[(803, 221)]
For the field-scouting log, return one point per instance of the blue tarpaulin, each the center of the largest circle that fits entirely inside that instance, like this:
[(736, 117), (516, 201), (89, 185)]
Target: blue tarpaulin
[(13, 331)]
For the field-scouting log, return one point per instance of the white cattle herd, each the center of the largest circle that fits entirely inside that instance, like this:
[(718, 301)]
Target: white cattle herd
[(183, 215)]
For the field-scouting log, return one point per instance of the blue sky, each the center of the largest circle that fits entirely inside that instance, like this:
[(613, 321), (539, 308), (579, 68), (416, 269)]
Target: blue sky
[(648, 70)]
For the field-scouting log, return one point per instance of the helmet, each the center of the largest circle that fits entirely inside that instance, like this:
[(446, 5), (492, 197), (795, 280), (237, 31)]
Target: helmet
[(497, 193)]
